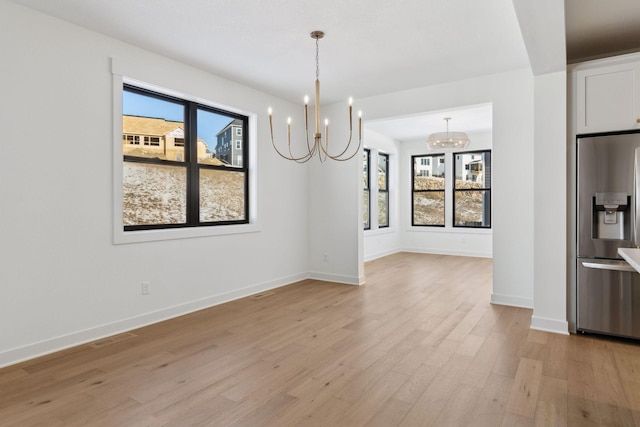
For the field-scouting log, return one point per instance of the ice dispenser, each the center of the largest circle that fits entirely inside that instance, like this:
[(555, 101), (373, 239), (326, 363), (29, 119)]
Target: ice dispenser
[(609, 219)]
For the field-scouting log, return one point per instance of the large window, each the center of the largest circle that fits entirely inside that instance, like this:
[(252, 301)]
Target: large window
[(383, 190), (174, 178), (472, 189), (366, 160), (428, 190)]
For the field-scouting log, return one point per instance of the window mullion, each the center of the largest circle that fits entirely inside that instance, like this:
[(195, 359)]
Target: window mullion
[(191, 154)]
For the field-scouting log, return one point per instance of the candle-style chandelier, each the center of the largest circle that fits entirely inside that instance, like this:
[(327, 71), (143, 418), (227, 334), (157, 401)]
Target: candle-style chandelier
[(319, 146)]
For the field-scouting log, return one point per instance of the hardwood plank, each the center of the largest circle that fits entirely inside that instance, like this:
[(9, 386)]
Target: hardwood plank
[(526, 385), (555, 364), (266, 413), (390, 413), (417, 383), (582, 396), (429, 405), (364, 408), (508, 360), (632, 390), (459, 407), (313, 393), (481, 366), (551, 409), (489, 408), (614, 407), (513, 420)]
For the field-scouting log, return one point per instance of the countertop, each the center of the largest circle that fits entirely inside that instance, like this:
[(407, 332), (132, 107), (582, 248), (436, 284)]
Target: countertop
[(632, 256)]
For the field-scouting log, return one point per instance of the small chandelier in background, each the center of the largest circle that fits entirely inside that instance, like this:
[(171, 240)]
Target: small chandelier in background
[(318, 147), (447, 139)]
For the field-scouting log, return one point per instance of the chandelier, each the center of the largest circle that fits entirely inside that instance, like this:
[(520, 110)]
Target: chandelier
[(320, 145), (447, 139)]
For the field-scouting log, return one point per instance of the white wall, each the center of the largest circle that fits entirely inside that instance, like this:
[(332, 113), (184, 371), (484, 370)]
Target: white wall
[(550, 203), (511, 95), (335, 208), (379, 242), (62, 279), (542, 26), (439, 240)]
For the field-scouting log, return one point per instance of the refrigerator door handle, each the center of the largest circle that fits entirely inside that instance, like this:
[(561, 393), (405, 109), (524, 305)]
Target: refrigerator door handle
[(636, 197), (618, 266)]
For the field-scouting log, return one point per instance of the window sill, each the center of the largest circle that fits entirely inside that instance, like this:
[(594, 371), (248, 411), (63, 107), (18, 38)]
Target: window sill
[(379, 231), (123, 237), (451, 230)]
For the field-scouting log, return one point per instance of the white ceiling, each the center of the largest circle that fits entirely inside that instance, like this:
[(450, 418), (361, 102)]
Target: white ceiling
[(371, 47), (471, 119)]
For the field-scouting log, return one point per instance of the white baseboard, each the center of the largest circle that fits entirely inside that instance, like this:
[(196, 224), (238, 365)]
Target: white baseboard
[(457, 252), (550, 325), (336, 278), (371, 257), (511, 301), (31, 351)]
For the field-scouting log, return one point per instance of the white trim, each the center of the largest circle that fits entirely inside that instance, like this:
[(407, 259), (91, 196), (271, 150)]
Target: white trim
[(377, 255), (588, 64), (336, 278), (512, 301), (122, 237), (52, 345), (439, 229), (379, 231), (550, 325), (455, 252)]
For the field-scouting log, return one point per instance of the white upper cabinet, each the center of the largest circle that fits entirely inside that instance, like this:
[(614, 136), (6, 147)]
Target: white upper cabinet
[(608, 96)]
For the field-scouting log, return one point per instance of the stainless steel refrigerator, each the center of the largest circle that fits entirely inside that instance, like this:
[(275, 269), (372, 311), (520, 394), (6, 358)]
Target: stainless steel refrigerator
[(608, 210)]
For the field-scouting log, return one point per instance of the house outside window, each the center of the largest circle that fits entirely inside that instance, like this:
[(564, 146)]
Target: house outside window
[(229, 143), (173, 180), (131, 139)]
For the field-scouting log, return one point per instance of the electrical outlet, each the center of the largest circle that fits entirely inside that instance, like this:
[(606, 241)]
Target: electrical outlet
[(146, 288), (325, 258)]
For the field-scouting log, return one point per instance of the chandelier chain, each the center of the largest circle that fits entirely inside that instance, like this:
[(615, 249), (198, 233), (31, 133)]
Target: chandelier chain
[(317, 61)]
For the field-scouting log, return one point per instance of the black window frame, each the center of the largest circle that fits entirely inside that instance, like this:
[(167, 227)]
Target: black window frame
[(385, 190), (414, 191), (191, 163), (487, 190), (367, 188)]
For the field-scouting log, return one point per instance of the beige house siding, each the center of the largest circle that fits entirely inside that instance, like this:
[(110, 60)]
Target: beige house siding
[(156, 138)]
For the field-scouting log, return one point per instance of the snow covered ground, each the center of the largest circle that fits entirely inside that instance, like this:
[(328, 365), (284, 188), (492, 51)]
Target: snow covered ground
[(156, 194), (428, 207)]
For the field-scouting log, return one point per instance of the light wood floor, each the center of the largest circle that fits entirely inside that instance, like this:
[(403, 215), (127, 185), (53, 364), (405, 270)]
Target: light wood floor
[(418, 345)]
